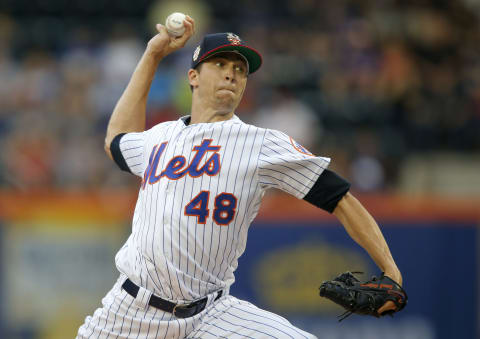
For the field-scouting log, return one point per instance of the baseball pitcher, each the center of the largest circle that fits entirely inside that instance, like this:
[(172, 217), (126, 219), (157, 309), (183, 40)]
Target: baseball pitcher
[(202, 180)]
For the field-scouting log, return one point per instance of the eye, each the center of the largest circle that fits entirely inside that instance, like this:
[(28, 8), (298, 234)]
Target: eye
[(219, 63), (240, 69)]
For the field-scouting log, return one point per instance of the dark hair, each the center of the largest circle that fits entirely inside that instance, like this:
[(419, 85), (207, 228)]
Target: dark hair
[(198, 68)]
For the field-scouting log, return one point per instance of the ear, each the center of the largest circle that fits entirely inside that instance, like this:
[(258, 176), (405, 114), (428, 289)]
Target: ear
[(193, 77)]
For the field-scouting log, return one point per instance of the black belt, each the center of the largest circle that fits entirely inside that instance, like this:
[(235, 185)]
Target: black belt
[(178, 310)]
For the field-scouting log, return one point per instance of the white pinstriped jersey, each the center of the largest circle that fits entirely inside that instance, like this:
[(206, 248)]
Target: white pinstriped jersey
[(201, 188)]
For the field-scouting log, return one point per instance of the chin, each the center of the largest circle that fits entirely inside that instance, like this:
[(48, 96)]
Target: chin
[(223, 110), (226, 104)]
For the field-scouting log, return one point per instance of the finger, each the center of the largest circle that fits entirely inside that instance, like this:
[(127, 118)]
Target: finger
[(189, 26), (187, 35), (190, 20), (388, 306), (161, 29)]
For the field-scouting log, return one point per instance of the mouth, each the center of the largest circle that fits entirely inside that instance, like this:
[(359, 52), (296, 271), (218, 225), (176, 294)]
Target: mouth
[(227, 89)]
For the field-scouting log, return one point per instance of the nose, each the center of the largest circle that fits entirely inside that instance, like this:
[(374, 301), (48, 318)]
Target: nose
[(229, 73)]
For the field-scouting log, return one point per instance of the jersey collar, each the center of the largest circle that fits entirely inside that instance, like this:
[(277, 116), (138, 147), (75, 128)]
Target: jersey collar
[(186, 120)]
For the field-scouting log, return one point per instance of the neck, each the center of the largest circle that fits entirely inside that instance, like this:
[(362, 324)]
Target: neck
[(202, 114)]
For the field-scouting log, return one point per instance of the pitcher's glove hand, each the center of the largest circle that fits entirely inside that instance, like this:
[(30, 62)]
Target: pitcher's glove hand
[(363, 297)]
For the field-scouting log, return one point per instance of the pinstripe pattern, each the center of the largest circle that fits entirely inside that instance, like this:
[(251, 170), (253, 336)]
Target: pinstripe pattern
[(122, 316), (234, 318), (175, 256)]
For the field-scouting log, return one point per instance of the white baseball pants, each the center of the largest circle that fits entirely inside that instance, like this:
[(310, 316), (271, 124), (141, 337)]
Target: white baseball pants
[(123, 316)]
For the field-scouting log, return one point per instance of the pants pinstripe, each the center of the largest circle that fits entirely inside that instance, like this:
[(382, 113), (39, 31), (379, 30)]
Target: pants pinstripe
[(123, 316)]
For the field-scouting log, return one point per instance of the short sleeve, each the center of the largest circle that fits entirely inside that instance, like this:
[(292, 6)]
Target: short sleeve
[(128, 152), (285, 164)]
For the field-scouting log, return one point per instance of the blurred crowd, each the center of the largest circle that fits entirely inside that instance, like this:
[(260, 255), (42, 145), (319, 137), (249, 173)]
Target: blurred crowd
[(368, 83)]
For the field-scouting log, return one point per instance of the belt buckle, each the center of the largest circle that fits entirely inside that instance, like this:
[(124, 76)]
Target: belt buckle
[(189, 309), (179, 307)]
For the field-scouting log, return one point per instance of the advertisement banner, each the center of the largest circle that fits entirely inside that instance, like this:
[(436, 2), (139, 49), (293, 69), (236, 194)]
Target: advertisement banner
[(285, 263), (57, 262)]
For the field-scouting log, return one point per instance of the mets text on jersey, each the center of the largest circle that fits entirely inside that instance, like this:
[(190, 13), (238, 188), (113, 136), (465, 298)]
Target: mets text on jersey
[(176, 168)]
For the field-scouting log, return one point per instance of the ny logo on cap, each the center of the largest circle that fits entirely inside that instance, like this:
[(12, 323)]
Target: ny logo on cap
[(233, 38)]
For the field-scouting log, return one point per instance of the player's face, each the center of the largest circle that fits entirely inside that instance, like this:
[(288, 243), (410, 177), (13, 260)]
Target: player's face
[(222, 80)]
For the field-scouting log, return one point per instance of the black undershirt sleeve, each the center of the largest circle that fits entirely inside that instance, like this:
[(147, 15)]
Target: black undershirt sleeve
[(327, 191), (117, 153)]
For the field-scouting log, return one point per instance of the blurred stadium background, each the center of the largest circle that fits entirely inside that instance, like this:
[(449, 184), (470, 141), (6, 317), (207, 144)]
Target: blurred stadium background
[(390, 89)]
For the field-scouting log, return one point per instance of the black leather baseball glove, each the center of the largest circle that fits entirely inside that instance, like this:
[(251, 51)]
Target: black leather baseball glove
[(363, 298)]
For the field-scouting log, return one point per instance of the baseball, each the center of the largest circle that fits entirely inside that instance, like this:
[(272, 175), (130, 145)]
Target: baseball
[(174, 24)]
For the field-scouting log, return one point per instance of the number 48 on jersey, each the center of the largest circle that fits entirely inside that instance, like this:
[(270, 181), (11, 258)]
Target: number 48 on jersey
[(223, 213)]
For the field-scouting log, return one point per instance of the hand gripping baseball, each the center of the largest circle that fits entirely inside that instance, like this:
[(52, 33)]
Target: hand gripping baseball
[(162, 44), (365, 298)]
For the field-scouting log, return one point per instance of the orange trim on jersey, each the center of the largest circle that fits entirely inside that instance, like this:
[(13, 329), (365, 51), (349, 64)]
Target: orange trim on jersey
[(183, 168), (154, 161), (200, 160), (219, 165), (302, 150), (148, 170), (153, 169), (234, 209), (195, 208)]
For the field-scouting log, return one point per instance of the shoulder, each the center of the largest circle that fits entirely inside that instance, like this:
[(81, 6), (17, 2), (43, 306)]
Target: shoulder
[(162, 126), (253, 129), (267, 135), (273, 135), (280, 140)]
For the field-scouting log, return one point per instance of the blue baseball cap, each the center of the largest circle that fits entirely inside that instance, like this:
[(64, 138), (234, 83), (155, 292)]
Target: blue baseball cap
[(226, 42)]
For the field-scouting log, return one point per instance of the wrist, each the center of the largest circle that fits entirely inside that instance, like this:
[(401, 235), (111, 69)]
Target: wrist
[(153, 54), (395, 275)]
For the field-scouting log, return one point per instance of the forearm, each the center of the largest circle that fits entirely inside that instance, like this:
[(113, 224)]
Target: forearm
[(129, 114), (364, 230)]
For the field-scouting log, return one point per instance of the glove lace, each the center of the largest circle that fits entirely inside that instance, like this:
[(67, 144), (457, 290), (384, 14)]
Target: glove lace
[(344, 315)]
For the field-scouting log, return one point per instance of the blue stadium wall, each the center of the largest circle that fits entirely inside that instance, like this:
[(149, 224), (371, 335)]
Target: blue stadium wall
[(284, 264)]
